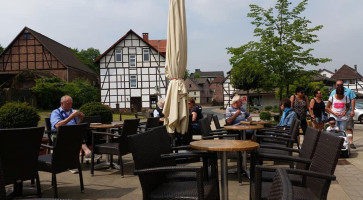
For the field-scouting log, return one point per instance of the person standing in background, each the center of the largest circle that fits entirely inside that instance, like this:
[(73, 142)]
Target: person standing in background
[(316, 109), (350, 122)]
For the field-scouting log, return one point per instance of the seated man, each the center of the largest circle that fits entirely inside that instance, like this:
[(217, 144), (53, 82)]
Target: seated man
[(236, 113), (64, 115), (288, 113)]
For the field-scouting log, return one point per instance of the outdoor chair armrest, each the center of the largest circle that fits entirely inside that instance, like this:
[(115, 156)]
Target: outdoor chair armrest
[(104, 133), (169, 169), (198, 154), (273, 133), (311, 174), (217, 132), (274, 138), (184, 147), (279, 148), (47, 146), (277, 157)]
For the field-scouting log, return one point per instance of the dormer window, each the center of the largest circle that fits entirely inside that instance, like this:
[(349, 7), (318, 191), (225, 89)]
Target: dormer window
[(146, 55), (118, 55), (26, 36)]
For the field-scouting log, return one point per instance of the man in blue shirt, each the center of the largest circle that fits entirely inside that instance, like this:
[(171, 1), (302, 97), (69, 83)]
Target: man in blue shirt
[(65, 115), (236, 113), (350, 122)]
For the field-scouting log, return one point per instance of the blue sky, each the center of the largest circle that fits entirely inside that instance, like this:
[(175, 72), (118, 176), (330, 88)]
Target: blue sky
[(212, 26)]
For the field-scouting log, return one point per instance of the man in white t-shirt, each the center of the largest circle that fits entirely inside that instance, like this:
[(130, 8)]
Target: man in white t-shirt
[(338, 106)]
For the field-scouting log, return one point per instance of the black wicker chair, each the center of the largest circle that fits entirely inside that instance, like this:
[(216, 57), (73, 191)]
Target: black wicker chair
[(151, 122), (48, 130), (65, 153), (278, 139), (306, 152), (153, 175), (210, 117), (19, 150), (315, 182), (280, 188), (117, 146), (170, 158), (216, 123)]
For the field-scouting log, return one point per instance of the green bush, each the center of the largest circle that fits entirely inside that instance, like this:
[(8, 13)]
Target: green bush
[(276, 109), (48, 92), (97, 109), (18, 115), (268, 108), (265, 115), (277, 118)]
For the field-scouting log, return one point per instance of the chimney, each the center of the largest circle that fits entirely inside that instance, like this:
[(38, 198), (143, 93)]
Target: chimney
[(355, 67), (145, 36), (197, 70), (336, 70)]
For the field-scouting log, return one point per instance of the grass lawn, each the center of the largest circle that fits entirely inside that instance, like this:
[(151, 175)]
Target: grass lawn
[(46, 113)]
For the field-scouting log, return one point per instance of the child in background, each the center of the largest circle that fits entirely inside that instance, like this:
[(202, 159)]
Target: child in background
[(332, 126)]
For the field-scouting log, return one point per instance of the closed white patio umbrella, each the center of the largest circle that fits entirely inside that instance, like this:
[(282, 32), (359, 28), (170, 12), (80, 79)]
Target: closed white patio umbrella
[(176, 108)]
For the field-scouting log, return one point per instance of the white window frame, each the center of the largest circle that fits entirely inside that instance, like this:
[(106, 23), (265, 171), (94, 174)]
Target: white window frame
[(118, 54), (146, 52), (133, 78), (132, 61)]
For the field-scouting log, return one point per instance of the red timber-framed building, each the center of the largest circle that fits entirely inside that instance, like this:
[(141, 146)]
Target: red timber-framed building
[(31, 50), (132, 73)]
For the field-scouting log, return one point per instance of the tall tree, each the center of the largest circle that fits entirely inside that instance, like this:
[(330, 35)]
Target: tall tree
[(87, 57), (284, 39), (247, 73), (1, 49)]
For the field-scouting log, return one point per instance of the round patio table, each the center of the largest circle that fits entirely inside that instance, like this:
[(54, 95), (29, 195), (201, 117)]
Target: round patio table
[(242, 130), (264, 123), (224, 146)]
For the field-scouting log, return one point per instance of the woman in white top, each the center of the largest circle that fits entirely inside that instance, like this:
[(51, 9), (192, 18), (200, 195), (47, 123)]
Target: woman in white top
[(338, 106)]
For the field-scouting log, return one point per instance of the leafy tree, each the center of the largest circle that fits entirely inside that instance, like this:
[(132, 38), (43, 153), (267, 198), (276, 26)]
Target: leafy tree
[(196, 75), (87, 57), (247, 72), (186, 74), (1, 49), (284, 37)]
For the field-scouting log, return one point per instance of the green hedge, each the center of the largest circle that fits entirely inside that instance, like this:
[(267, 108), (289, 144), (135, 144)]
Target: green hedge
[(18, 115), (265, 115), (48, 92), (97, 109)]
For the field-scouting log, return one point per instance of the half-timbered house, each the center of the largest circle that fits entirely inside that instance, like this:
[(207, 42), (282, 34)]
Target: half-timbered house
[(351, 78), (132, 73), (31, 50)]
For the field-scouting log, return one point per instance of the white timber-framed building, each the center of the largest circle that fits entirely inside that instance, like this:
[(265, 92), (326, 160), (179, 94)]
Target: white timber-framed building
[(132, 73)]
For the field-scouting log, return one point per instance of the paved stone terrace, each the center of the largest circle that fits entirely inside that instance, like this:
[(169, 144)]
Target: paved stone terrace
[(108, 184)]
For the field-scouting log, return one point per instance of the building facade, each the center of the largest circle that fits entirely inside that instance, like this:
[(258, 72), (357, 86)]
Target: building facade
[(351, 78), (132, 73), (31, 50)]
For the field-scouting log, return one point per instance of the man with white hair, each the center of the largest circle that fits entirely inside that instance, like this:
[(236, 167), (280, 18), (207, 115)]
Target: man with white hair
[(158, 111), (236, 112), (65, 115)]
